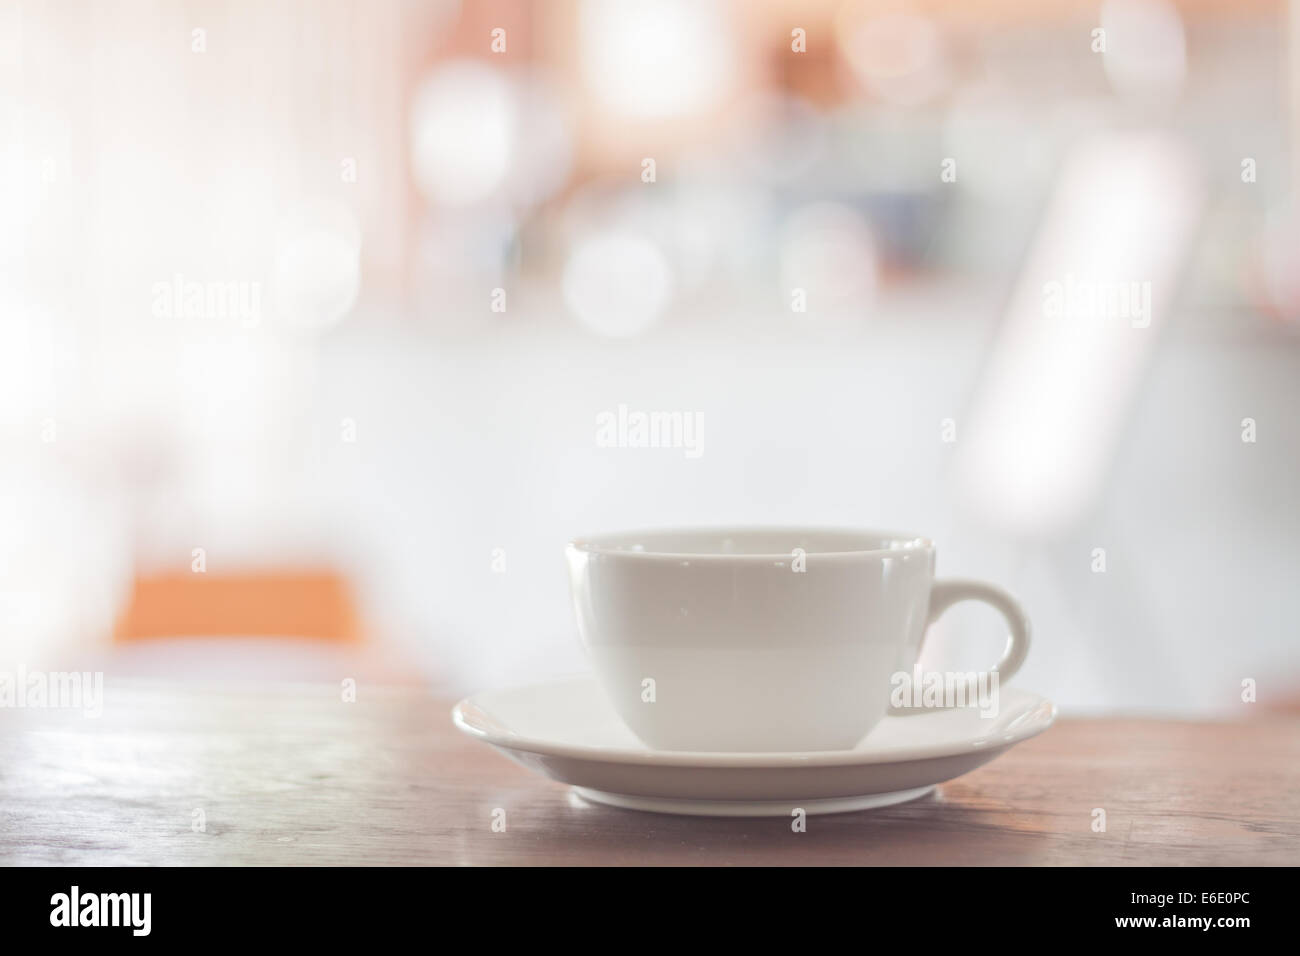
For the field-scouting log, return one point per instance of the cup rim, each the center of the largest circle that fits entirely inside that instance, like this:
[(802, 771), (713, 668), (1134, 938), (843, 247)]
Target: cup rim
[(601, 544)]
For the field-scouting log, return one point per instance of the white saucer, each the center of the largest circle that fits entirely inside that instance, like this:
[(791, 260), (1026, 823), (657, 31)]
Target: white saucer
[(565, 729)]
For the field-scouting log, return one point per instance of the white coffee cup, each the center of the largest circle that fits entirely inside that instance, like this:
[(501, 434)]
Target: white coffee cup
[(762, 639)]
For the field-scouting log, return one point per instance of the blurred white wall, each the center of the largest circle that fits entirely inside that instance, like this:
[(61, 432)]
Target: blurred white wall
[(466, 449)]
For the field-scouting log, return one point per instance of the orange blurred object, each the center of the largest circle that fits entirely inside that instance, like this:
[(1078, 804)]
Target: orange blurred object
[(314, 604)]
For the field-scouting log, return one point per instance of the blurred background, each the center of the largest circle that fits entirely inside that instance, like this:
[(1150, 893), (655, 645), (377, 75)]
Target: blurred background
[(310, 311)]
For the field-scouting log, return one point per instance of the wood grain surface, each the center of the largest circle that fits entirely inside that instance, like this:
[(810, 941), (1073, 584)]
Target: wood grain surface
[(293, 775)]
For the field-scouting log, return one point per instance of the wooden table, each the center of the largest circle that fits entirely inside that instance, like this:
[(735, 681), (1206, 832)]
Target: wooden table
[(293, 775)]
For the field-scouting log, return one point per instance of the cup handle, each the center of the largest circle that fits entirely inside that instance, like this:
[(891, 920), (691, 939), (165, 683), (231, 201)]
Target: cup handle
[(945, 593)]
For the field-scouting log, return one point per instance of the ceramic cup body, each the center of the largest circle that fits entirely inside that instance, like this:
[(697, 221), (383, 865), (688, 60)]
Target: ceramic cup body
[(751, 639)]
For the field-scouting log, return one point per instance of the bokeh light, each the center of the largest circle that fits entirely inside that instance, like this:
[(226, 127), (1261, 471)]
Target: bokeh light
[(462, 129), (317, 273), (900, 57), (656, 60), (617, 283), (1146, 51)]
